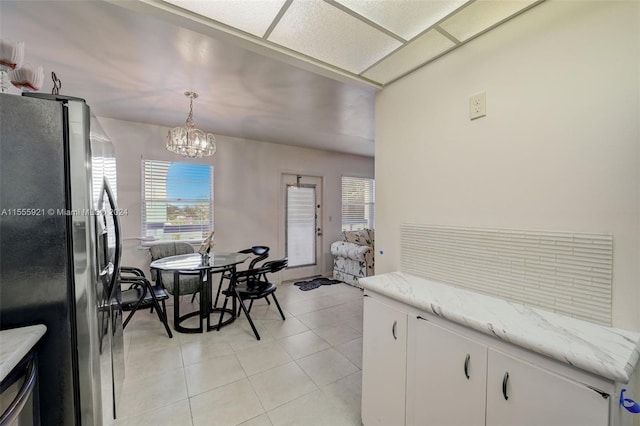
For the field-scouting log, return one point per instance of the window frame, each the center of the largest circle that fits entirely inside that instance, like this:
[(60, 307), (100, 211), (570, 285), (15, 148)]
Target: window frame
[(151, 239), (370, 206)]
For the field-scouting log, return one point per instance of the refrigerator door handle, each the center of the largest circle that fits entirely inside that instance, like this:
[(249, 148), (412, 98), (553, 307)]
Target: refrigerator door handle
[(114, 298), (116, 225)]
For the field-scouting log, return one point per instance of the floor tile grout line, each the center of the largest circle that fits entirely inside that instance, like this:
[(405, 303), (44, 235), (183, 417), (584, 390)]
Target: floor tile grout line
[(320, 386), (193, 421), (298, 397), (264, 410)]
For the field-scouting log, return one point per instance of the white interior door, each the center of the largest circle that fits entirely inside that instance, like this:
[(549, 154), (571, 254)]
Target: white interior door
[(302, 237)]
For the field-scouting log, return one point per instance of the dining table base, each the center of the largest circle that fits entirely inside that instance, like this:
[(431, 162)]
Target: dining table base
[(222, 311), (204, 266), (205, 309)]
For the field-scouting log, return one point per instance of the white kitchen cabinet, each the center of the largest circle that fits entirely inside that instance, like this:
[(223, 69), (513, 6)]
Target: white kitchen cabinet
[(420, 370), (384, 364), (447, 378), (519, 393), (561, 371), (453, 380)]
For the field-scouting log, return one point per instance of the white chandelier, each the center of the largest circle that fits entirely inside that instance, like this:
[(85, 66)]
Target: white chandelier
[(189, 141)]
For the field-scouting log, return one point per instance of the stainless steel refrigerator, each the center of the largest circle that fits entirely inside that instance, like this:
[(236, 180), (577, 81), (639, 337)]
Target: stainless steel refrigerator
[(60, 252)]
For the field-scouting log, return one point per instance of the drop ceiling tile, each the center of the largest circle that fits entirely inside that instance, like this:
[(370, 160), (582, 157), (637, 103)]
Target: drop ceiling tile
[(405, 18), (322, 31), (481, 15), (251, 16), (411, 56)]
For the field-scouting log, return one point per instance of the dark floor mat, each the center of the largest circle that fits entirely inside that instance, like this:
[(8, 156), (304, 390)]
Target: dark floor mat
[(315, 283)]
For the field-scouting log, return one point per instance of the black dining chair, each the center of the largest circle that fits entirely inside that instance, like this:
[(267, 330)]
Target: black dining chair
[(253, 284), (260, 253), (268, 268), (141, 295)]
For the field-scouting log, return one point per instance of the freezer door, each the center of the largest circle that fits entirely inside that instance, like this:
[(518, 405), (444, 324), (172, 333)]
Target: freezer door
[(108, 260), (35, 249), (84, 267)]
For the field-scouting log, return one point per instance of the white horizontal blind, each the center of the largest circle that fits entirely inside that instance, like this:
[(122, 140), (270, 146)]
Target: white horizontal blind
[(103, 161), (301, 225), (563, 272), (103, 167), (358, 203), (177, 201)]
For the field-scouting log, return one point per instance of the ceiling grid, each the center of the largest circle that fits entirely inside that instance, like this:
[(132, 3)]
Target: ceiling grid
[(375, 41)]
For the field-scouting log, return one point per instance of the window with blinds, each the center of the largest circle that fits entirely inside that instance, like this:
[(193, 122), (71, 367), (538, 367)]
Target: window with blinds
[(177, 200), (358, 202)]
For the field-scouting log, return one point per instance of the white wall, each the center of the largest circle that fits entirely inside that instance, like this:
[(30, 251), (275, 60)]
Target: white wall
[(558, 149), (246, 186)]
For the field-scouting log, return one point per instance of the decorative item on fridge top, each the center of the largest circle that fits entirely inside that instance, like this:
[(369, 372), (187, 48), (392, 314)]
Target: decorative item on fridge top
[(57, 84), (12, 70), (27, 78), (207, 244), (11, 56)]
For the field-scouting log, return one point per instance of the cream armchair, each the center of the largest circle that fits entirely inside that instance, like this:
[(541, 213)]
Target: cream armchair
[(354, 256)]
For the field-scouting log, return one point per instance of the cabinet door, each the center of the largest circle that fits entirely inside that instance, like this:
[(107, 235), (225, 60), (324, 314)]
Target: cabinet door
[(533, 396), (384, 363), (447, 378)]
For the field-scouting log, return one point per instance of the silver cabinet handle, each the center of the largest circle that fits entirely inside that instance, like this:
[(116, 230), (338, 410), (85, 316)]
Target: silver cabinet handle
[(466, 366), (393, 330)]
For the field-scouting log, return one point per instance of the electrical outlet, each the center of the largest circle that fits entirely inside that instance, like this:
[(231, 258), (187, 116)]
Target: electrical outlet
[(478, 106)]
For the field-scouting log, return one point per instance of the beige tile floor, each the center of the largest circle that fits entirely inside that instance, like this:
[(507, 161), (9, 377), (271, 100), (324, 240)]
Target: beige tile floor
[(304, 371)]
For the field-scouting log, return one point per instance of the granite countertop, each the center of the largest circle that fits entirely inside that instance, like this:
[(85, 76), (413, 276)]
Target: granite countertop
[(608, 352), (15, 343)]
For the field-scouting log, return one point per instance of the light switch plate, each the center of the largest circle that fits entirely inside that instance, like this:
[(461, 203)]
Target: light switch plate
[(478, 106)]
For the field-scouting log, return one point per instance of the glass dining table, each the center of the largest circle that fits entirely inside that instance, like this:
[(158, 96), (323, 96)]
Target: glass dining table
[(203, 266)]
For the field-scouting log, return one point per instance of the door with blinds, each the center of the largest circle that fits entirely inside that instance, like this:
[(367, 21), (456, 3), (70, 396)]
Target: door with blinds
[(302, 231)]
